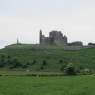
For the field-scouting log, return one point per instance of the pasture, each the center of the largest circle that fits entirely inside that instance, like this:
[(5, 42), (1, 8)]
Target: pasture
[(50, 85)]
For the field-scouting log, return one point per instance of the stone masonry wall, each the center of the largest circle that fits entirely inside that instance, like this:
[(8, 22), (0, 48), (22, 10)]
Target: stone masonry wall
[(57, 48)]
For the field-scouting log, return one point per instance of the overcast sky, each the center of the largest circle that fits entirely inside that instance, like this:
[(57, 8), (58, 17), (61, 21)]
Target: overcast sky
[(23, 19)]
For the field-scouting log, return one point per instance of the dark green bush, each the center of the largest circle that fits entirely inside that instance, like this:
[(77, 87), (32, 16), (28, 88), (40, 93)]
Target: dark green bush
[(34, 62), (62, 68), (9, 56), (11, 67), (77, 71), (1, 65), (9, 61), (41, 67), (70, 69), (25, 66), (44, 62), (2, 60), (61, 61), (28, 63), (2, 56), (80, 67)]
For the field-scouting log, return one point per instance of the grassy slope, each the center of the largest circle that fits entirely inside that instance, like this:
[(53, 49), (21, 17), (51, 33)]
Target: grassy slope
[(64, 85), (85, 57)]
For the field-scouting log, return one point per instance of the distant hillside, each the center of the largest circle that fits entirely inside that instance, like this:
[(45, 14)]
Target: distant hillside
[(46, 59)]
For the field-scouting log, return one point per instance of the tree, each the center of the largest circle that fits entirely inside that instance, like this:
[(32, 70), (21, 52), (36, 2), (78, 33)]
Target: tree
[(70, 69), (81, 67), (34, 62), (9, 61), (62, 68), (9, 56), (2, 56), (41, 67), (86, 70), (25, 66), (91, 43), (44, 62), (61, 61), (15, 62)]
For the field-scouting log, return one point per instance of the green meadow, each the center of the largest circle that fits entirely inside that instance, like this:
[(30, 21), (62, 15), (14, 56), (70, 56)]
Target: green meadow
[(55, 85), (55, 59), (45, 75)]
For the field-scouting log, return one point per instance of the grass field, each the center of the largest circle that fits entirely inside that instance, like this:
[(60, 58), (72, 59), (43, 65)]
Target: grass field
[(84, 58), (10, 73), (59, 85)]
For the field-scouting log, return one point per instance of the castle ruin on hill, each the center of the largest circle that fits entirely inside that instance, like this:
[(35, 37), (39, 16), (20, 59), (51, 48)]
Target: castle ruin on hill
[(57, 38)]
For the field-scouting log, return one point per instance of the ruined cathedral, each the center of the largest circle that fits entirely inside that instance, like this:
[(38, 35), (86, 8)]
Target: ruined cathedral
[(55, 38)]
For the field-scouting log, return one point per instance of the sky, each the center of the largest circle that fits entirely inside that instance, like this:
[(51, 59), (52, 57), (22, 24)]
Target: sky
[(23, 19)]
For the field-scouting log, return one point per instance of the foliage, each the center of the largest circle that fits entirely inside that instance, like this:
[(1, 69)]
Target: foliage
[(28, 63), (62, 68), (41, 67), (34, 62), (9, 56), (86, 70), (2, 56), (11, 67), (91, 43), (80, 67), (44, 62), (1, 65), (25, 66), (61, 61), (77, 71), (70, 69), (9, 62)]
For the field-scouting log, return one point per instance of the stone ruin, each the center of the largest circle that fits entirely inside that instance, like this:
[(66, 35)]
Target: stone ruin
[(77, 43), (57, 38)]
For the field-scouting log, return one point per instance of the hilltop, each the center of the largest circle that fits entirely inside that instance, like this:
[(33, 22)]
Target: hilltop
[(46, 59)]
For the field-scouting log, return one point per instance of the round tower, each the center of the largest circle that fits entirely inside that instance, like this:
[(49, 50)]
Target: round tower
[(40, 40)]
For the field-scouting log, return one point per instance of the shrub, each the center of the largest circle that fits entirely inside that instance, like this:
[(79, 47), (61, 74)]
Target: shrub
[(80, 67), (28, 63), (16, 62), (61, 61), (15, 65), (70, 69), (62, 68), (77, 71), (86, 70), (41, 67), (2, 60), (12, 66), (9, 61), (9, 56), (1, 65), (34, 62), (44, 62), (25, 66), (20, 64), (2, 56)]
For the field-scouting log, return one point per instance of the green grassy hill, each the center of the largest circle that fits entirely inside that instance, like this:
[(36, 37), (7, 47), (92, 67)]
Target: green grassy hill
[(46, 60)]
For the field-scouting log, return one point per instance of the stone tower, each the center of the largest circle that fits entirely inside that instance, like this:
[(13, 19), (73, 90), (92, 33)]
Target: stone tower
[(40, 37), (17, 41)]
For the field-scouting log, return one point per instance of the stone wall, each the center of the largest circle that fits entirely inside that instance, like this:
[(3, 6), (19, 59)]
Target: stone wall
[(57, 48)]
